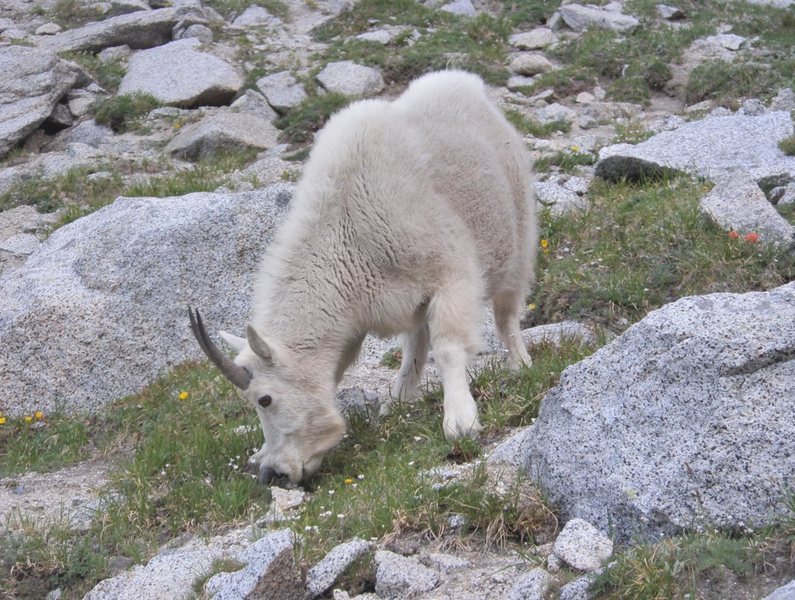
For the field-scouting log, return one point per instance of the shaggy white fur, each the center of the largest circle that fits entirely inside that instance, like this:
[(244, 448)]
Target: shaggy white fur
[(408, 216)]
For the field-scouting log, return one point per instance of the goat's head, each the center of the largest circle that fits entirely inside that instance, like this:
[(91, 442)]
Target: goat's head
[(299, 418)]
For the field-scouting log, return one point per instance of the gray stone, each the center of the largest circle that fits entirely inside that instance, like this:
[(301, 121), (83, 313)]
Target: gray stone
[(784, 100), (582, 546), (670, 13), (580, 18), (529, 63), (752, 107), (557, 333), (554, 564), (462, 8), (91, 316), (348, 78), (254, 103), (80, 101), (532, 586), (684, 421), (255, 16), (383, 35), (142, 29), (578, 185), (517, 82), (446, 563), (538, 38), (270, 572), (124, 7), (555, 112), (786, 592), (173, 571), (121, 52), (48, 29), (787, 196), (585, 98), (178, 74), (577, 589), (282, 91), (357, 400), (711, 148), (729, 41), (399, 577), (738, 204), (558, 199), (323, 575), (223, 132), (31, 84), (201, 32), (21, 244)]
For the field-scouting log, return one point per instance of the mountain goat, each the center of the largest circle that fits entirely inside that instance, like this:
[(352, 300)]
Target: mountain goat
[(408, 216)]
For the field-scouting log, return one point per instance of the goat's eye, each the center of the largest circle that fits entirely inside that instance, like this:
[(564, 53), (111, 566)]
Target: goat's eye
[(264, 401)]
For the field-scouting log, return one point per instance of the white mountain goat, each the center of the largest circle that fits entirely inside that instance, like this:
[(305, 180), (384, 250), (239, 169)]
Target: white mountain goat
[(408, 216)]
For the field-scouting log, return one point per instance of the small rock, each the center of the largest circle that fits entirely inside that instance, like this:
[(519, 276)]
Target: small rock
[(578, 185), (786, 592), (380, 36), (752, 108), (583, 546), (462, 8), (197, 31), (323, 575), (348, 78), (577, 589), (54, 595), (532, 586), (788, 196), (555, 112), (784, 100), (281, 90), (557, 333), (456, 521), (538, 38), (670, 13), (270, 572), (729, 41), (221, 132), (581, 18), (558, 199), (585, 98), (254, 103), (48, 29), (122, 52), (445, 563), (400, 577), (357, 400), (527, 63), (554, 564), (517, 82), (255, 16)]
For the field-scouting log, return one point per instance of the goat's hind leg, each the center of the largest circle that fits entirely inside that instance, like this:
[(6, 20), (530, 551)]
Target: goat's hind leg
[(453, 319), (507, 308), (415, 354)]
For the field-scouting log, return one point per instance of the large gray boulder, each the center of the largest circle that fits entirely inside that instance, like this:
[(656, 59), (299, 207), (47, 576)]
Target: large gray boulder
[(223, 132), (685, 421), (178, 74), (711, 148), (100, 310), (32, 82), (141, 29)]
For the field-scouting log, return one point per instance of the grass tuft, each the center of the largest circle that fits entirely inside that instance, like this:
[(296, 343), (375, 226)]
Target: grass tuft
[(126, 112)]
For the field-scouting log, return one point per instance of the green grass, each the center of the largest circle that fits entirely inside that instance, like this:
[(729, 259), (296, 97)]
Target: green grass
[(787, 145), (180, 470), (126, 112), (42, 445), (81, 195), (641, 246), (107, 73), (229, 8), (70, 14), (630, 132), (300, 124), (565, 160), (528, 126)]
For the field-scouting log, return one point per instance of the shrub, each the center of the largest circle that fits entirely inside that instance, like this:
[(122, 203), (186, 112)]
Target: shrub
[(125, 112)]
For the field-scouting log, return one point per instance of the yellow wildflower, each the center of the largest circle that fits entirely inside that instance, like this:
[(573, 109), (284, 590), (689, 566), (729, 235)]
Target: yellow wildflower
[(2, 420), (183, 395), (575, 149), (544, 244), (28, 419), (348, 481), (39, 415), (531, 306)]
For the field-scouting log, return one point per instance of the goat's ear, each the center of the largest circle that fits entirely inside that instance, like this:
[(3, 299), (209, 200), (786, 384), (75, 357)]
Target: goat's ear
[(260, 346), (233, 341)]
